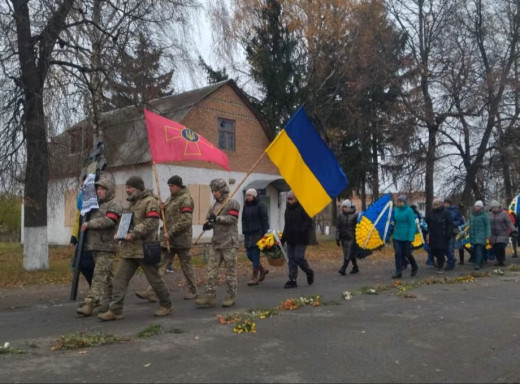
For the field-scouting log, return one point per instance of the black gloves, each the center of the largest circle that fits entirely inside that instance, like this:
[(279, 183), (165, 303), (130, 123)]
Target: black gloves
[(212, 219), (207, 226), (338, 242)]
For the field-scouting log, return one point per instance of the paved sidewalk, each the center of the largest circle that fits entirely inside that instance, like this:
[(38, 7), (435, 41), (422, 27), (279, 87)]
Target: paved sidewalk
[(462, 332)]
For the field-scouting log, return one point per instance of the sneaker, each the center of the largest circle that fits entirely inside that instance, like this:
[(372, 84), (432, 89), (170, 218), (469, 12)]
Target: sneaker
[(163, 311), (439, 271), (109, 316), (310, 277), (169, 269), (290, 284)]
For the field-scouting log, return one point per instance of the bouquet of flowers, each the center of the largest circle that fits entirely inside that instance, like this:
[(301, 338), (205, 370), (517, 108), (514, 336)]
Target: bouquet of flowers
[(270, 245)]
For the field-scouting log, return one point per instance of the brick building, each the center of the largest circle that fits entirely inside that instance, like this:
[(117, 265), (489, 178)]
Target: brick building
[(220, 112)]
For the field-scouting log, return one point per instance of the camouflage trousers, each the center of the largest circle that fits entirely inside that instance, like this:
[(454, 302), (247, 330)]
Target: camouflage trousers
[(124, 273), (186, 266), (101, 287), (215, 258)]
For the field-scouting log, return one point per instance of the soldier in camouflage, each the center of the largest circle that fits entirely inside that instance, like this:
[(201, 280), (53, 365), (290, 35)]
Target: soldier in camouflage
[(178, 212), (222, 217), (145, 224), (100, 240)]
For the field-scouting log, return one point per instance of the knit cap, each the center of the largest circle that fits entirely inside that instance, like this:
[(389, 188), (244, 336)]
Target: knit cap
[(136, 182), (346, 203), (175, 180), (479, 203), (252, 192)]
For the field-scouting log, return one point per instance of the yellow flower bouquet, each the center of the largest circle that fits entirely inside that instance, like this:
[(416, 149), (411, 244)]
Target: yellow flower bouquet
[(270, 245)]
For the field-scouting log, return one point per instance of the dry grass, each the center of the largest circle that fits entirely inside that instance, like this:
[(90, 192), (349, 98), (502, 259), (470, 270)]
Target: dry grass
[(12, 273)]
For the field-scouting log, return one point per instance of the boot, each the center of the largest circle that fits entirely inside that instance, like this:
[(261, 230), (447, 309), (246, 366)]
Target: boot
[(163, 311), (205, 301), (354, 269), (191, 296), (461, 257), (254, 278), (146, 295), (109, 316), (229, 301), (263, 272), (86, 309)]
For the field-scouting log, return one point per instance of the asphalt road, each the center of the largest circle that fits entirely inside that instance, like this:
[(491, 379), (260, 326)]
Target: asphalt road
[(466, 332)]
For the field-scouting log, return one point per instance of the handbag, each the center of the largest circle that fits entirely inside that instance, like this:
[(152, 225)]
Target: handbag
[(151, 252)]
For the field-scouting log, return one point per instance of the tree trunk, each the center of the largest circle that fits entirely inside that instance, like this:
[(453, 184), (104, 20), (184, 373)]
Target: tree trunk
[(35, 252)]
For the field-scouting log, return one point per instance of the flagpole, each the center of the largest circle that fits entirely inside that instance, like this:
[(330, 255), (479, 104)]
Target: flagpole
[(161, 204), (230, 196)]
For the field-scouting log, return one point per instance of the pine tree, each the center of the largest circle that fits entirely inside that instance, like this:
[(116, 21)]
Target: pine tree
[(137, 80)]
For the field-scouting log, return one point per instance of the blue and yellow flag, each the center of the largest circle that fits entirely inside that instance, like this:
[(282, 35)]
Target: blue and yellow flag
[(307, 164)]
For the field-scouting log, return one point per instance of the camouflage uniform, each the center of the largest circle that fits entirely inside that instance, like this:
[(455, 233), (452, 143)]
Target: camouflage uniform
[(145, 224), (100, 240), (224, 242), (178, 212)]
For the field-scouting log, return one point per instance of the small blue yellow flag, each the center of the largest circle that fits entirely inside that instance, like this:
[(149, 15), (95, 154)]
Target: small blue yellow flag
[(307, 164)]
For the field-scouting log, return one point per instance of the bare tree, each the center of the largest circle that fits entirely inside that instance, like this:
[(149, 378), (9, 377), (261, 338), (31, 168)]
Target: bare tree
[(55, 49)]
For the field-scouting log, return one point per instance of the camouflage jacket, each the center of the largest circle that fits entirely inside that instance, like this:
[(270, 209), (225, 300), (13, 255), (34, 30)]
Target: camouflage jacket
[(103, 221), (178, 212), (144, 227), (225, 231)]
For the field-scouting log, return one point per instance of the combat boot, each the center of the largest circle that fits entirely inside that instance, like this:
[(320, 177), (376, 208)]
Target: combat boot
[(109, 316), (254, 278), (163, 311), (229, 301), (191, 296), (86, 309), (263, 272), (146, 295), (205, 301)]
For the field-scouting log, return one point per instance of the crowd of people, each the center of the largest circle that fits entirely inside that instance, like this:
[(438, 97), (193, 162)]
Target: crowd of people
[(153, 249), (442, 230)]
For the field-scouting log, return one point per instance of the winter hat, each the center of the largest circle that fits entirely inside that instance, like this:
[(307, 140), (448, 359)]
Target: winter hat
[(290, 195), (252, 192), (494, 204), (136, 182), (219, 185), (346, 203), (479, 203), (402, 198), (175, 180)]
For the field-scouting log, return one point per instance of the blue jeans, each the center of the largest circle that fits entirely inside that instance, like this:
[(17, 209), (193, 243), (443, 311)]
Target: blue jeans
[(403, 250), (253, 254), (296, 255), (450, 252)]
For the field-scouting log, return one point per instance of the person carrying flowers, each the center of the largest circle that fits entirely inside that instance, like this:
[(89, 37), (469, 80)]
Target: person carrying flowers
[(296, 234), (479, 232), (346, 235), (255, 223)]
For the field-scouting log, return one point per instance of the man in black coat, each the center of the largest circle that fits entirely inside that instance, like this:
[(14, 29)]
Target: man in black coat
[(440, 226), (296, 234)]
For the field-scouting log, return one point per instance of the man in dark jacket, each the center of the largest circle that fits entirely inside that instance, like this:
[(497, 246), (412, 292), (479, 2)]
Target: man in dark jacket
[(440, 226), (458, 221), (255, 223), (296, 234), (346, 235)]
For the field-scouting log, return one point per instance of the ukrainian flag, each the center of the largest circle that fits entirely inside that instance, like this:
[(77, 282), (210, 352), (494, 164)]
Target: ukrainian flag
[(307, 164)]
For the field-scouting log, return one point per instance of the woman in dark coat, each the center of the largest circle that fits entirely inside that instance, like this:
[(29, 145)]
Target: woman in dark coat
[(440, 226), (255, 223)]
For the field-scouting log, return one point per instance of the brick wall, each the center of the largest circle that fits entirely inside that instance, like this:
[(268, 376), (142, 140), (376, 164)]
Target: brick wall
[(250, 138)]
